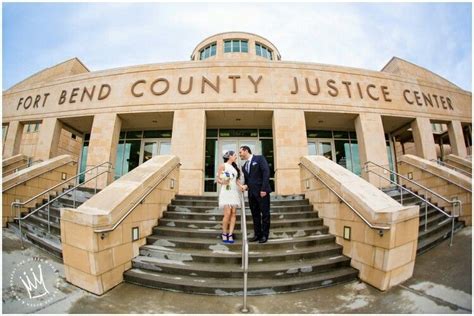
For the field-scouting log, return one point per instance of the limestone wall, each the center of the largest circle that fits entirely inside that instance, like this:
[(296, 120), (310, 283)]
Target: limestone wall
[(383, 260), (442, 180), (27, 183), (234, 84), (96, 261)]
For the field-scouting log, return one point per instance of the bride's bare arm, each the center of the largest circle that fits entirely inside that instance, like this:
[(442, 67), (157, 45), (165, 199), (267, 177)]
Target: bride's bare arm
[(219, 172)]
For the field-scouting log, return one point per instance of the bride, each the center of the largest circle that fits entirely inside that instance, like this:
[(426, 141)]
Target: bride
[(228, 176)]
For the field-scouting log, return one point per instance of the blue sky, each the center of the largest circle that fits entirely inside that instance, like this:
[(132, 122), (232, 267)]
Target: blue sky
[(436, 36)]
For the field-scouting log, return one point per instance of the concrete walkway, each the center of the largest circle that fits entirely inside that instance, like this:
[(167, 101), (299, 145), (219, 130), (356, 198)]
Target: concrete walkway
[(442, 283)]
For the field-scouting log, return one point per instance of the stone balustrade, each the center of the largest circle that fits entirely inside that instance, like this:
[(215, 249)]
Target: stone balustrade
[(444, 181), (29, 182), (383, 260), (459, 162), (10, 164), (96, 260)]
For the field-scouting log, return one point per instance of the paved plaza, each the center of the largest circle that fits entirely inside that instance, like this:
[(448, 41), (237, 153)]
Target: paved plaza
[(442, 283)]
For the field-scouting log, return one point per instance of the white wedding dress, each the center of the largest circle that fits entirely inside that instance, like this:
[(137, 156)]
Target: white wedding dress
[(230, 196)]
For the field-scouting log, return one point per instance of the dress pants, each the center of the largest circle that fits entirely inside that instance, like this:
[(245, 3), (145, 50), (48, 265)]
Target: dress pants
[(260, 208)]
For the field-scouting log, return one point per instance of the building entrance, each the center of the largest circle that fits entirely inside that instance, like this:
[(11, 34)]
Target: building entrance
[(219, 141), (153, 147), (235, 144), (321, 147)]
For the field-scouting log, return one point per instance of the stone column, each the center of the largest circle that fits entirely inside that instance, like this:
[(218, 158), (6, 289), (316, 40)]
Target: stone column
[(189, 144), (13, 139), (289, 144), (423, 137), (48, 139), (103, 146), (372, 147), (456, 139)]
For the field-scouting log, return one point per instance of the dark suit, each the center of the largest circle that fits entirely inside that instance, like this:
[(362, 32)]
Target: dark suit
[(257, 180)]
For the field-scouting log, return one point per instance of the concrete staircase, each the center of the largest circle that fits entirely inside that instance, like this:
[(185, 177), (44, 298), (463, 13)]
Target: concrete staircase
[(438, 225), (35, 227), (185, 252)]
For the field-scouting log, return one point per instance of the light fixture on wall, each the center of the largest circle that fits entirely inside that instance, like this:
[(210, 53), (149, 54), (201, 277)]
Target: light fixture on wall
[(347, 233), (410, 175), (307, 184), (63, 176), (135, 233), (172, 184)]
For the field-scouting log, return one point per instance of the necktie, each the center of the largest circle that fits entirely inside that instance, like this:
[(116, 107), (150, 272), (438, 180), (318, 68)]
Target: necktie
[(248, 167)]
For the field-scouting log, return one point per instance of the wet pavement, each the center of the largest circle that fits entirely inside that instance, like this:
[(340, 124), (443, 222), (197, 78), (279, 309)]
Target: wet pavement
[(441, 284)]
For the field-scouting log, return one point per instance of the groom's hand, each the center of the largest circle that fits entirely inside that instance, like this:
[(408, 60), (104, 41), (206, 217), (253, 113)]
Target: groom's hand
[(263, 194)]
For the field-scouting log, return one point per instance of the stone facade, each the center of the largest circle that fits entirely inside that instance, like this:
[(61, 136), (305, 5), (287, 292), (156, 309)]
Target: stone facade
[(384, 257), (27, 183), (448, 185), (97, 236), (96, 102)]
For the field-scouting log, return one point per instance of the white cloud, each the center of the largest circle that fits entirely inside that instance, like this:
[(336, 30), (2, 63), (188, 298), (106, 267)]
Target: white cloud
[(357, 35)]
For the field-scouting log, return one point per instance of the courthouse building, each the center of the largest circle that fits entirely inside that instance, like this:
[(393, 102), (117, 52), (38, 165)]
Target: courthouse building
[(236, 90)]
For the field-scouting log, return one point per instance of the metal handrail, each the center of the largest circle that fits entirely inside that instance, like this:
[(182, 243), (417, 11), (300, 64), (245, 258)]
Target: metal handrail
[(415, 183), (138, 202), (37, 175), (422, 199), (56, 198), (245, 250), (380, 228), (21, 167), (448, 180), (59, 184), (442, 163)]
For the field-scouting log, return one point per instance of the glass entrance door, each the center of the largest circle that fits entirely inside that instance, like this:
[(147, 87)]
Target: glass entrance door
[(153, 147), (322, 147), (235, 144)]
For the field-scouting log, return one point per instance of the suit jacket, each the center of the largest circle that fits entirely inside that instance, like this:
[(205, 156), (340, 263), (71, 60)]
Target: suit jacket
[(259, 177)]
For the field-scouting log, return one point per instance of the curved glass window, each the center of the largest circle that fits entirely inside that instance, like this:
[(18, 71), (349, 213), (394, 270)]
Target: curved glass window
[(208, 51), (236, 46), (263, 51)]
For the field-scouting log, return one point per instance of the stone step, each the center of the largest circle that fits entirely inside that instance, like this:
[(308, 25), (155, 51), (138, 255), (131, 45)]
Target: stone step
[(434, 239), (256, 286), (214, 203), (223, 254), (435, 229), (273, 197), (276, 270), (49, 243), (53, 215), (216, 244), (216, 233), (55, 227), (216, 209), (217, 225), (432, 212), (433, 220), (217, 216)]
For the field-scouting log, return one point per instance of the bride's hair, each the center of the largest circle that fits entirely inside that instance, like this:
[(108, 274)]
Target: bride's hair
[(226, 157)]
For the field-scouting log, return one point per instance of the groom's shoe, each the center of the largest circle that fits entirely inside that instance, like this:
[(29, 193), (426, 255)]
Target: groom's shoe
[(263, 240), (255, 238)]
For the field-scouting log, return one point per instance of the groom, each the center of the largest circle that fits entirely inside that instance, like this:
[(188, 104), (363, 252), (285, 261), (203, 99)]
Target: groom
[(257, 176)]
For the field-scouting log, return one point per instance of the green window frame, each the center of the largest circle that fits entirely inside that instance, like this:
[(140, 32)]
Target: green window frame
[(236, 46), (263, 51), (208, 51)]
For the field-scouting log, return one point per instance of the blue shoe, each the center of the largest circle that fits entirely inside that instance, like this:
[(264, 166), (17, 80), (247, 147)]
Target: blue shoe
[(225, 238), (230, 238)]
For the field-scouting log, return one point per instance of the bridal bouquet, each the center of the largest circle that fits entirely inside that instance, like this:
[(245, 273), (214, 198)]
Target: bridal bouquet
[(225, 176)]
